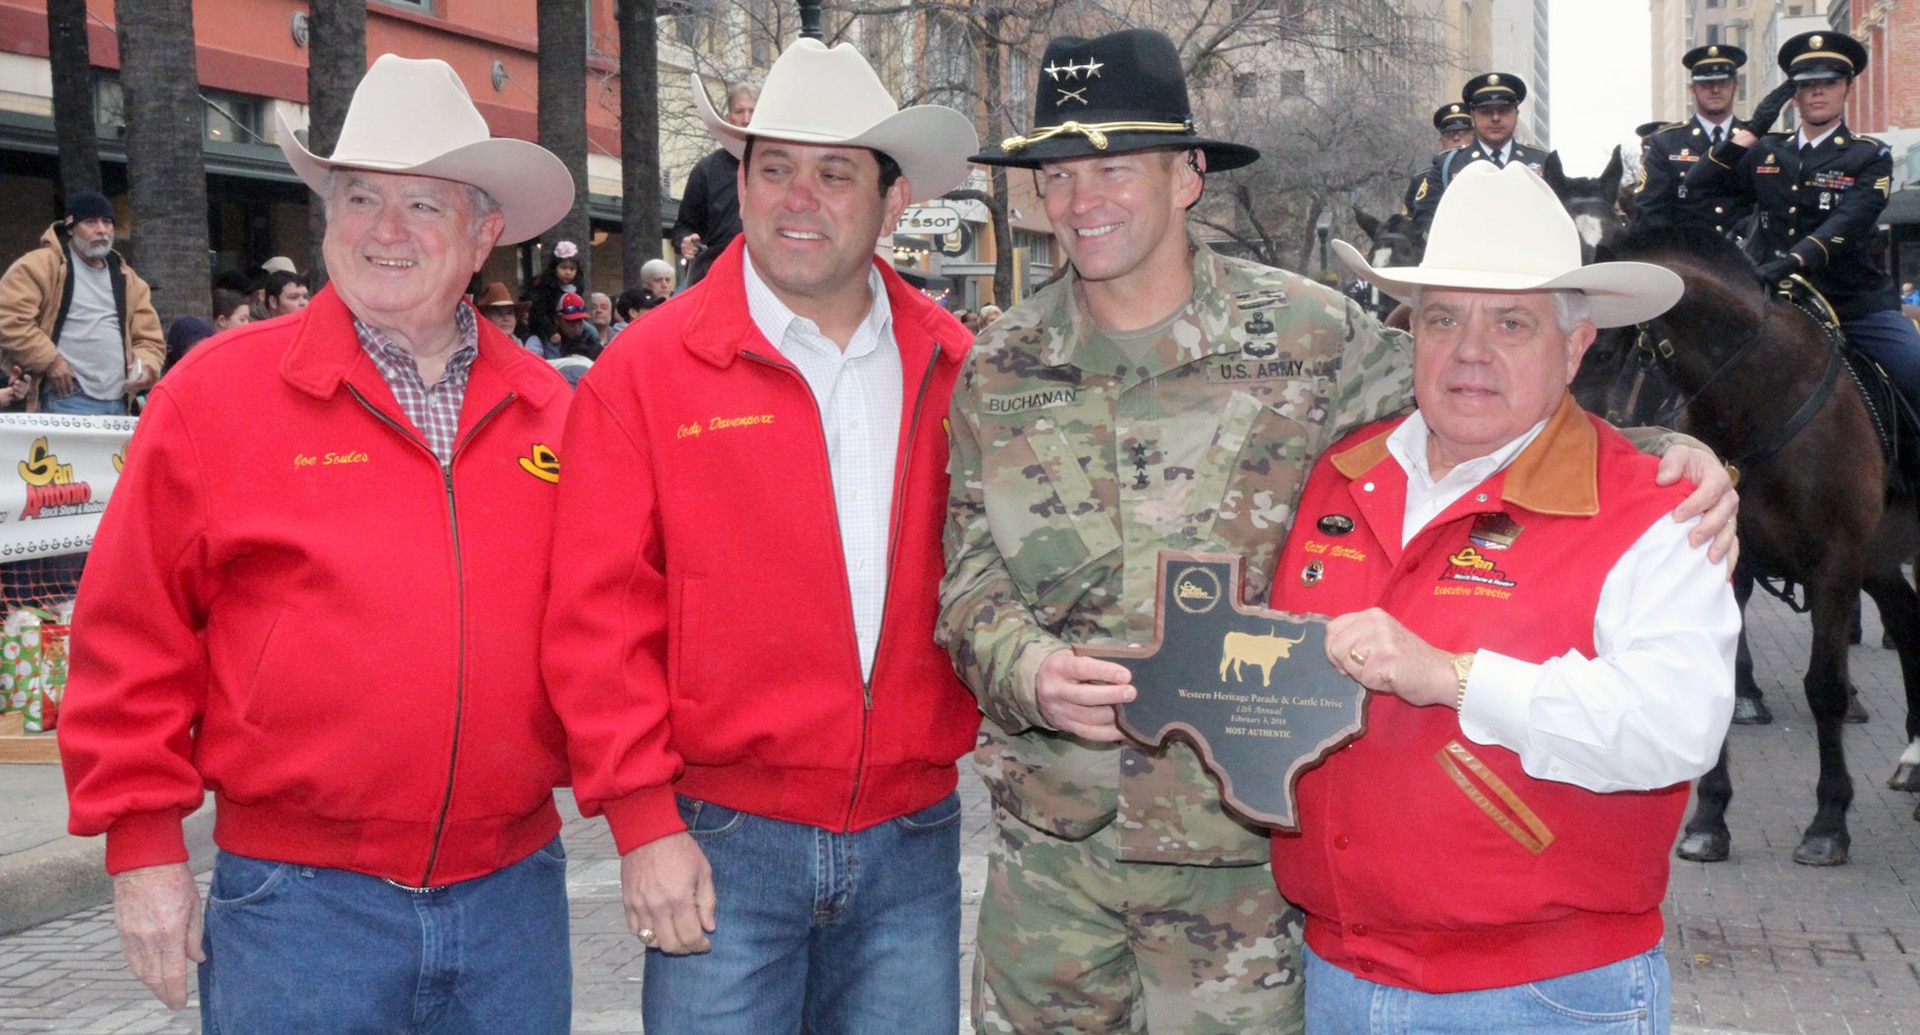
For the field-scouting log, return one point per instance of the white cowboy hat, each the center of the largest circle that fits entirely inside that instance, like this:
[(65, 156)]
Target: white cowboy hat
[(1503, 229), (816, 95), (416, 118)]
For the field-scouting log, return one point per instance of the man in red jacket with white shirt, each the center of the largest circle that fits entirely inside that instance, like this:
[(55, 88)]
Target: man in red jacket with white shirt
[(310, 594), (1551, 661), (740, 632)]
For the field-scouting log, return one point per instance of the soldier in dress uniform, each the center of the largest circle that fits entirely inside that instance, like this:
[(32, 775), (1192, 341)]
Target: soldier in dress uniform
[(1820, 191), (1662, 198), (1454, 123), (1494, 99)]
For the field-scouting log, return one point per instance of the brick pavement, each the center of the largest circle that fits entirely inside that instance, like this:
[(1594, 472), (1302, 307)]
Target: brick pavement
[(1757, 944)]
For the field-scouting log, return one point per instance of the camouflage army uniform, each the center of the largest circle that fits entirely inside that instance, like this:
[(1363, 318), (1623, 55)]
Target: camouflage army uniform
[(1074, 463)]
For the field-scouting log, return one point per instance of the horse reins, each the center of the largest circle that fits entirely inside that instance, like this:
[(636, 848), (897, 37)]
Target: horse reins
[(1801, 417)]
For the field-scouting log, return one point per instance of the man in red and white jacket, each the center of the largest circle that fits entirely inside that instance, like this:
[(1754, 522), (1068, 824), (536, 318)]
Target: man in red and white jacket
[(1550, 660), (746, 566)]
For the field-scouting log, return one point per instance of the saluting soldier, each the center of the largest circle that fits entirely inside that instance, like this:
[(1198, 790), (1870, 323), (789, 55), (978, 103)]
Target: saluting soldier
[(1820, 191), (1662, 197), (1494, 100), (1454, 123)]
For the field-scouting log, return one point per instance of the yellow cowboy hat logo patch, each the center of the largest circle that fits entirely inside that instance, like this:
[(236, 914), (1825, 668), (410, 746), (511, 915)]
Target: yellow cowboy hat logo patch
[(542, 463)]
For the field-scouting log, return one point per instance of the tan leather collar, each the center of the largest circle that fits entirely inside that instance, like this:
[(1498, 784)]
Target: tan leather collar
[(1558, 472)]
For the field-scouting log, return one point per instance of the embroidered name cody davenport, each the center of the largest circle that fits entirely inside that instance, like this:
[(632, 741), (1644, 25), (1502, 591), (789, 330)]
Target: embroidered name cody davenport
[(693, 429)]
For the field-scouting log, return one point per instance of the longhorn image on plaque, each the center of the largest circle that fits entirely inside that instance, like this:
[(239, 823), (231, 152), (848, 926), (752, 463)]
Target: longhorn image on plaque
[(1251, 687)]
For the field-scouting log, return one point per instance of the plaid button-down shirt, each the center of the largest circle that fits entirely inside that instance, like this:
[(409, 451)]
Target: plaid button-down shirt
[(433, 409)]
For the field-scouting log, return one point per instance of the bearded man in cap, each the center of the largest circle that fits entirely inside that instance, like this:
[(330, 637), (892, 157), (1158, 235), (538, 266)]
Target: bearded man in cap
[(1661, 197), (389, 851), (1551, 660), (778, 768), (1159, 396), (1820, 191), (1494, 99), (79, 319)]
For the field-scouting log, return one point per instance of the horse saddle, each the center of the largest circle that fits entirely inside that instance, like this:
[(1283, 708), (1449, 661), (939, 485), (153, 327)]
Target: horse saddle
[(1895, 422)]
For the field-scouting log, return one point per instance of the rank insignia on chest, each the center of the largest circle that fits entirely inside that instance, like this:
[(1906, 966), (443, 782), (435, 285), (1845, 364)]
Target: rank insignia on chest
[(1262, 298), (1494, 531)]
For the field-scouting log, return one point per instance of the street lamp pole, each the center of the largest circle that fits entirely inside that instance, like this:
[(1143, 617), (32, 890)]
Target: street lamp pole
[(1322, 229), (810, 19)]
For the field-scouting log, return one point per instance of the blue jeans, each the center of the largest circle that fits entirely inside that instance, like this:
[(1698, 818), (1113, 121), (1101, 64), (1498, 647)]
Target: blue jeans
[(847, 934), (305, 949), (1631, 997), (1892, 341), (80, 403)]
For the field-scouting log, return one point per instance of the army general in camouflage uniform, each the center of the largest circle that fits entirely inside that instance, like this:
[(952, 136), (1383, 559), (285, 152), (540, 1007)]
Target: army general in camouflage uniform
[(1158, 396)]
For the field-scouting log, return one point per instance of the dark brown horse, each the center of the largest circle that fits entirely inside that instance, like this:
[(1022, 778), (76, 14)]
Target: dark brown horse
[(1594, 204), (1763, 384), (1392, 243)]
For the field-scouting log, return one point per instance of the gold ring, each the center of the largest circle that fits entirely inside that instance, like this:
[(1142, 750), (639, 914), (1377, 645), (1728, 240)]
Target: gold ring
[(1358, 656), (646, 935)]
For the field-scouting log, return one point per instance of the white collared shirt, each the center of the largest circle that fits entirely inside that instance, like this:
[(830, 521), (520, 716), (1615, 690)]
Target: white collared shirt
[(1707, 126), (1800, 137), (1502, 154), (1652, 708), (858, 391)]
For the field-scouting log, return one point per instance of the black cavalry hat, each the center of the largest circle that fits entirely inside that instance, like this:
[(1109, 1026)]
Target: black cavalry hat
[(1494, 89), (1110, 95), (1713, 62), (1822, 55), (1452, 116)]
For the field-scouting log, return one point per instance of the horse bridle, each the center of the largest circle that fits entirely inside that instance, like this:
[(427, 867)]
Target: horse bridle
[(1648, 352)]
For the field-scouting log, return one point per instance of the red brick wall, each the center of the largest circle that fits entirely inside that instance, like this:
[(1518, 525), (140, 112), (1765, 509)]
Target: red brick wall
[(1888, 95), (247, 46)]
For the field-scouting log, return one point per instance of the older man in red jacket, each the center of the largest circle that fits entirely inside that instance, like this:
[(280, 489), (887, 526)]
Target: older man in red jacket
[(1551, 661), (310, 594)]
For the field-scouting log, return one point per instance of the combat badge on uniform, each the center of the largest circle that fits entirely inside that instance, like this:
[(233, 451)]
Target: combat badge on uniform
[(1251, 688)]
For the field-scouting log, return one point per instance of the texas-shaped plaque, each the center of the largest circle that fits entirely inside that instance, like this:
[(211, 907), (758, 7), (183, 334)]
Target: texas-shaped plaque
[(1251, 687)]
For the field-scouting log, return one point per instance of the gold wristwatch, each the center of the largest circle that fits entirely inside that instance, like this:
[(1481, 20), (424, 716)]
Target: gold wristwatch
[(1462, 668)]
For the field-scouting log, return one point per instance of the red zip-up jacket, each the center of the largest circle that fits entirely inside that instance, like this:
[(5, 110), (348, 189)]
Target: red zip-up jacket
[(293, 603), (700, 633)]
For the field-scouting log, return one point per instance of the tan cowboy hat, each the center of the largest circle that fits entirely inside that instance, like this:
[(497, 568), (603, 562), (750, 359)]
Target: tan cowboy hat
[(816, 95), (1503, 229), (495, 296), (415, 117)]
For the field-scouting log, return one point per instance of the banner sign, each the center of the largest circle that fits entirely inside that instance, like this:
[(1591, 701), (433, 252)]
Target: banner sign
[(56, 472), (928, 221)]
